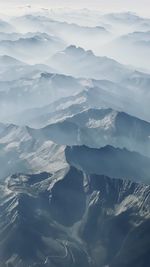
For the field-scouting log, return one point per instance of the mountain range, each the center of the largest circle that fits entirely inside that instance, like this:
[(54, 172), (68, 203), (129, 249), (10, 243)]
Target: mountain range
[(74, 138)]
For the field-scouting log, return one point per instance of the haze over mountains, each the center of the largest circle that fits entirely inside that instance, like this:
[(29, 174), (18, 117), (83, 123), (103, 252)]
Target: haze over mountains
[(74, 138)]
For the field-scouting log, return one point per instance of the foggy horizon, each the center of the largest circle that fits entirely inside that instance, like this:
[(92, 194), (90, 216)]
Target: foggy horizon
[(136, 6)]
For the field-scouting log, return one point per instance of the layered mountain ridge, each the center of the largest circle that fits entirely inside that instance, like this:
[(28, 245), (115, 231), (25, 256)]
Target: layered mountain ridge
[(74, 138)]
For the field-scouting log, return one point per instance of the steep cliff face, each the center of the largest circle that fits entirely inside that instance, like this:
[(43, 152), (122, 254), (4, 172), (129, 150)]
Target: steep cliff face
[(116, 211), (70, 218), (110, 161)]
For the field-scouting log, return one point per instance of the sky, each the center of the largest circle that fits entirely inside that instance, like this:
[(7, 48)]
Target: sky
[(141, 7)]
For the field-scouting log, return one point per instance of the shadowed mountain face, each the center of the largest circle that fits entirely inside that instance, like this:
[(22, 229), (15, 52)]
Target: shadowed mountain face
[(113, 162), (72, 219)]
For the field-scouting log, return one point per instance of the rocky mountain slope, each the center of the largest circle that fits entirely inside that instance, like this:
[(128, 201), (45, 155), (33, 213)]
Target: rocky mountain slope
[(50, 216)]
